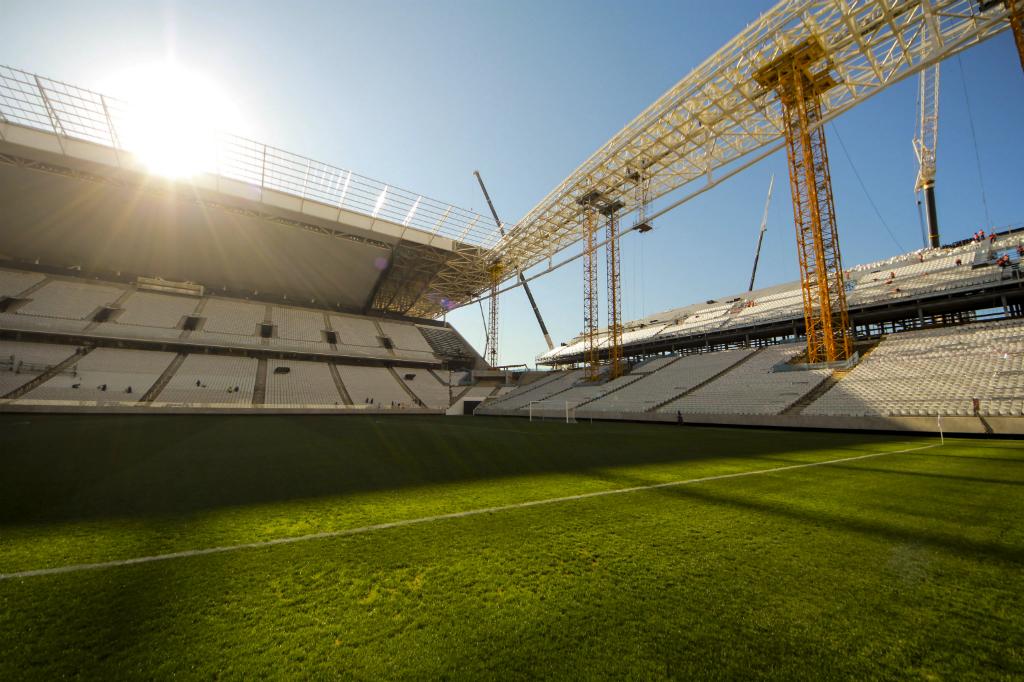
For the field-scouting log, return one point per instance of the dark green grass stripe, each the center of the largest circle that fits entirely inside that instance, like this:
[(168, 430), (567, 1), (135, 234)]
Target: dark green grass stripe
[(438, 517)]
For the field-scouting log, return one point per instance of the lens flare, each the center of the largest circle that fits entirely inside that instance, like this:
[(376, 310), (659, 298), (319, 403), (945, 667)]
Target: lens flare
[(172, 118)]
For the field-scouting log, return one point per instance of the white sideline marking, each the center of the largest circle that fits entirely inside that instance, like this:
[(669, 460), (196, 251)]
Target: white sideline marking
[(73, 568)]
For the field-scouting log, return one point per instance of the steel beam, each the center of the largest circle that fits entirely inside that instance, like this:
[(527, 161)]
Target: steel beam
[(800, 82)]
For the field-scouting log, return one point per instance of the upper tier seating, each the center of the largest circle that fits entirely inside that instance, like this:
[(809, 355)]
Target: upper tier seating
[(65, 306), (13, 282), (445, 342), (106, 375), (754, 387), (148, 309), (211, 380), (69, 300), (358, 335), (638, 335), (232, 317), (148, 315), (376, 383), (704, 320), (407, 340), (305, 383), (935, 372), (299, 325), (916, 274), (20, 362), (782, 304)]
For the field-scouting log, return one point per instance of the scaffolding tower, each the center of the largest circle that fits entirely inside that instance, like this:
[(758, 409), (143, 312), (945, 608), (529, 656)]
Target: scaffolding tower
[(1016, 11), (800, 87), (612, 268), (493, 317), (591, 355)]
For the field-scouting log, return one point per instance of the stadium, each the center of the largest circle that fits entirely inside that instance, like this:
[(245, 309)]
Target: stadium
[(242, 435)]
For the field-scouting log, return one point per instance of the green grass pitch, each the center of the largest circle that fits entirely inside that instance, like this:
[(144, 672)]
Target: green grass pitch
[(906, 565)]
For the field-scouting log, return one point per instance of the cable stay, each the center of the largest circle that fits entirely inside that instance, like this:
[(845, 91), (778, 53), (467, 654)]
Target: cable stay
[(495, 280), (760, 236)]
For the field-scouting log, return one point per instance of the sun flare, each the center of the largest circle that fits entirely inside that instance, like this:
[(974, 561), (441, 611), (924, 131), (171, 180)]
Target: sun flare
[(172, 118)]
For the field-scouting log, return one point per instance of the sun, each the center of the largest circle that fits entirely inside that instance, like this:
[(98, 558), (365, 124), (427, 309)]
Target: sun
[(172, 118)]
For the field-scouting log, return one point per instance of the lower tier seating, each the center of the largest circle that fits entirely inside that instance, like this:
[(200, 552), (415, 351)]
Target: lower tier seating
[(212, 380), (935, 372), (294, 382), (20, 363), (373, 385), (758, 386), (670, 377), (425, 385), (106, 375)]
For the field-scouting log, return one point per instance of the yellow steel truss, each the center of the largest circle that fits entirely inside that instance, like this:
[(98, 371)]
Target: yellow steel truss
[(718, 116), (591, 355), (821, 268), (1016, 11), (612, 266), (493, 317)]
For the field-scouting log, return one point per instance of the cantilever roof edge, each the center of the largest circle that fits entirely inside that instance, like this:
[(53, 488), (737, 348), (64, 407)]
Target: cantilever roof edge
[(79, 119), (718, 115)]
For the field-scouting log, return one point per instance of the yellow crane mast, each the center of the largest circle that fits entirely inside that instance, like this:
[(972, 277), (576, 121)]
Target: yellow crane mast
[(799, 87)]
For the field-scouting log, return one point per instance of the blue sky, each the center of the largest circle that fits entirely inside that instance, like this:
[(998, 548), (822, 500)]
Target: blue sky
[(419, 94)]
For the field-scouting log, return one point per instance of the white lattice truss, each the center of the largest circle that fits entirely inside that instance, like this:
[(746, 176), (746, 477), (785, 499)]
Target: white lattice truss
[(718, 116), (716, 119)]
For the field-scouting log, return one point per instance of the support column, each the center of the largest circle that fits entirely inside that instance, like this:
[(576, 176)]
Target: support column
[(591, 356), (1016, 8), (493, 317), (826, 320), (614, 344)]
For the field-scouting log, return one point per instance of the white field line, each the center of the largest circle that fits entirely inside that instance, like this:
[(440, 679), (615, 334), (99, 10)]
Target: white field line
[(73, 568)]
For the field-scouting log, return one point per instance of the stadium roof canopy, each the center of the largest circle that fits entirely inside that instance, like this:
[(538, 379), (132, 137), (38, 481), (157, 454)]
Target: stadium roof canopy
[(719, 119), (362, 244), (714, 122)]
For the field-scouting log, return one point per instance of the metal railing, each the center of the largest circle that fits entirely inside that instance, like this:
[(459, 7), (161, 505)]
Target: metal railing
[(72, 112)]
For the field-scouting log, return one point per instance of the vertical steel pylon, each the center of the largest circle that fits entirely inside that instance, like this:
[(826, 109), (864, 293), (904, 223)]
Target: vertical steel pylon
[(493, 317), (1016, 8), (612, 266), (591, 356), (826, 319)]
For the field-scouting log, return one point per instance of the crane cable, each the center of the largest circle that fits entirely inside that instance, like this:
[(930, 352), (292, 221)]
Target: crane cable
[(974, 139), (864, 187), (917, 194), (483, 320)]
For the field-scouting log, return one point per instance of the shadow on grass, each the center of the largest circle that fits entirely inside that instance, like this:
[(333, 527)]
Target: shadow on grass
[(80, 467), (907, 472), (849, 522)]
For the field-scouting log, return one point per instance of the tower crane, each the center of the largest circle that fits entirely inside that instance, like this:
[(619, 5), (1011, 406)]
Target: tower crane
[(775, 86), (760, 236), (491, 349), (925, 143)]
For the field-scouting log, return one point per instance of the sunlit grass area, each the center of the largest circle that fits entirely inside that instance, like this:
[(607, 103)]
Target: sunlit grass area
[(902, 565)]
